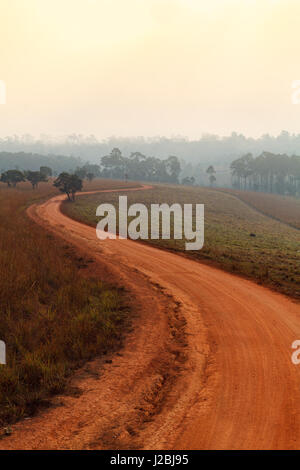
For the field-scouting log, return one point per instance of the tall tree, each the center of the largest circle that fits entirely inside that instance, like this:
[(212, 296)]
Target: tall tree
[(274, 173), (12, 177), (173, 168), (46, 170), (68, 184), (211, 175), (35, 177)]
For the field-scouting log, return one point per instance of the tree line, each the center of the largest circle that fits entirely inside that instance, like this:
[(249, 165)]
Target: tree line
[(23, 160), (273, 173), (67, 183), (140, 167), (208, 149), (13, 177), (114, 165)]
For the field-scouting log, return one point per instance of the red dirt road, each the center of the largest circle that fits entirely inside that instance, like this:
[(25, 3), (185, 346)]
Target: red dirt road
[(207, 365)]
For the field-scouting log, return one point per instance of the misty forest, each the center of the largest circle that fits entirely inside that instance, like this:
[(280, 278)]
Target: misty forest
[(184, 162)]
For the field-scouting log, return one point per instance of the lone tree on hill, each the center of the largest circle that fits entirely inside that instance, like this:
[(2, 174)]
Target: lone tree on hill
[(68, 184), (12, 178), (211, 172), (90, 176)]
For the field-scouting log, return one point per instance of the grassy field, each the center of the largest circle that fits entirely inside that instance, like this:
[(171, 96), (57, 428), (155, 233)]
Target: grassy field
[(283, 208), (270, 256), (53, 315)]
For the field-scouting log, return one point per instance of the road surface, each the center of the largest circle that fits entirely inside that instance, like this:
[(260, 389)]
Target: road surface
[(206, 366)]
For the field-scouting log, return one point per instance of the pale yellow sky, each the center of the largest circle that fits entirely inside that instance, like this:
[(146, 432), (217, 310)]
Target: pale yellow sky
[(149, 67)]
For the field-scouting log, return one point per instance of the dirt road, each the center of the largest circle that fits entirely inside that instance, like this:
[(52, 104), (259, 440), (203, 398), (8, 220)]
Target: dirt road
[(207, 365)]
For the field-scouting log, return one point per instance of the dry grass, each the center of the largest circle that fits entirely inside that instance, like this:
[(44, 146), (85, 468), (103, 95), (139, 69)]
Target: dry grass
[(52, 317), (283, 208), (271, 257), (108, 184)]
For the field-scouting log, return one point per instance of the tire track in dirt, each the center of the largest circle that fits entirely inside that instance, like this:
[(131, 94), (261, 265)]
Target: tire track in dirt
[(207, 365)]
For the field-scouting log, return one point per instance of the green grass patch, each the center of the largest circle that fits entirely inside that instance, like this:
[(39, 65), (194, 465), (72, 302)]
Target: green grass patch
[(271, 257), (283, 208)]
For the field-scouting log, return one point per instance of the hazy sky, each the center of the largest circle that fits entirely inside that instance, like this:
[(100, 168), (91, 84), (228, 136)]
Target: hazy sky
[(149, 67)]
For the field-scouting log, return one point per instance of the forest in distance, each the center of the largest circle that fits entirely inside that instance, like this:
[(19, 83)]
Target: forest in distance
[(268, 172), (207, 149)]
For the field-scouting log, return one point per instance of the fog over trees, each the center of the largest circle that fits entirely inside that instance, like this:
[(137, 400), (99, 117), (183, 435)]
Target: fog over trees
[(268, 173), (208, 149), (267, 164)]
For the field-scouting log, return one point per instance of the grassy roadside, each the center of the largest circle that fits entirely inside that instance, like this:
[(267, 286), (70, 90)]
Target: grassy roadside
[(283, 208), (52, 318), (270, 256)]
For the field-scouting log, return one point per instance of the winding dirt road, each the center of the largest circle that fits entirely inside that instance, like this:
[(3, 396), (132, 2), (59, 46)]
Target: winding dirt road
[(207, 365)]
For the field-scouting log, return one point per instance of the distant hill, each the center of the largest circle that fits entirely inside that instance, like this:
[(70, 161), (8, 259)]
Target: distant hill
[(207, 149), (33, 161)]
